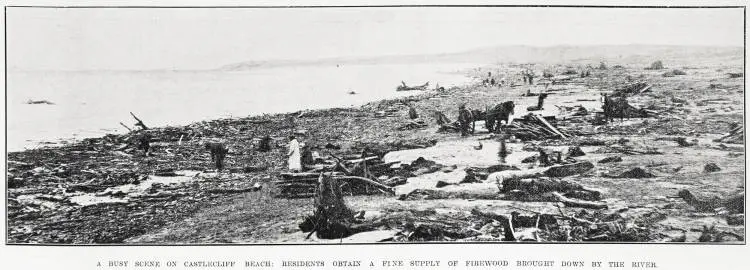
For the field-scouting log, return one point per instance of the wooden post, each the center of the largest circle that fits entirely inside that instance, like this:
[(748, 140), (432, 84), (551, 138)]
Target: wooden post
[(332, 216), (130, 130), (139, 122), (541, 119)]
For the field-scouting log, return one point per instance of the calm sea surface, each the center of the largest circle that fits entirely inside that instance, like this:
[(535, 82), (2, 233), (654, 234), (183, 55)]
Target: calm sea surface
[(91, 103)]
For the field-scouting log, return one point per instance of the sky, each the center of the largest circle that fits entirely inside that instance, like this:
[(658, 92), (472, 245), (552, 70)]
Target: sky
[(144, 39)]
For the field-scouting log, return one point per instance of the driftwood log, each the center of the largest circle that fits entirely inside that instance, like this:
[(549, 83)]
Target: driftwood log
[(138, 121), (552, 171), (579, 203)]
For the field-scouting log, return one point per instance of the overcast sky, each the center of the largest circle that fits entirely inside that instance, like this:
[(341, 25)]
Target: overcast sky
[(74, 39)]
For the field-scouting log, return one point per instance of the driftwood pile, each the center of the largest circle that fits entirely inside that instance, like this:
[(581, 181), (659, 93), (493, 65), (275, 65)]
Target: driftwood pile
[(534, 127), (364, 175), (735, 136), (45, 185), (541, 227), (632, 89), (618, 107)]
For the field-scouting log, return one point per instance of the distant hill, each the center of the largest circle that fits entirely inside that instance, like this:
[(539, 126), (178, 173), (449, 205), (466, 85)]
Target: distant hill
[(528, 54)]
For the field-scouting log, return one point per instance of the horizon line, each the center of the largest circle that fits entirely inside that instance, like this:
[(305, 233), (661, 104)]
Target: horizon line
[(364, 57)]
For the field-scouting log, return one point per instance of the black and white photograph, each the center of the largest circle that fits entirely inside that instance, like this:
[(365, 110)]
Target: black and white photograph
[(328, 125)]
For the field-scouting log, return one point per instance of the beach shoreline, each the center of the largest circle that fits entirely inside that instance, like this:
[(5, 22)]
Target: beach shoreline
[(45, 179), (79, 108)]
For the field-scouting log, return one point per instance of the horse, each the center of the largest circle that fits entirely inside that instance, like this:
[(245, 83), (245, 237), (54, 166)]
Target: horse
[(498, 113)]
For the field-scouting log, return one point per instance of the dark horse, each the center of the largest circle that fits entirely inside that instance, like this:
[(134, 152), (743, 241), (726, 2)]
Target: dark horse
[(498, 113)]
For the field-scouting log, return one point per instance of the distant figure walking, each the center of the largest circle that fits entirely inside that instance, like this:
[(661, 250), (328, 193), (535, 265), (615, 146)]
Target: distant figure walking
[(413, 112), (143, 141), (265, 144), (218, 151), (531, 76), (294, 155)]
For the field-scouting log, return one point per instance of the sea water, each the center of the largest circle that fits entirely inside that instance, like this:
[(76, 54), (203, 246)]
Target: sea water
[(93, 103)]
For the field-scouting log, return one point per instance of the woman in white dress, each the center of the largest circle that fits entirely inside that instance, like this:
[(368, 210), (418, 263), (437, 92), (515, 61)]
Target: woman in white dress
[(295, 163)]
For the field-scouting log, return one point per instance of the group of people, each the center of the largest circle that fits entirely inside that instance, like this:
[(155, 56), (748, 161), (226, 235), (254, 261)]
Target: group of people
[(491, 81), (296, 154), (527, 75)]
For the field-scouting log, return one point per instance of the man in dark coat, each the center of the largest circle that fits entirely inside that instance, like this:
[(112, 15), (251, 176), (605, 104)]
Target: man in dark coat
[(464, 119)]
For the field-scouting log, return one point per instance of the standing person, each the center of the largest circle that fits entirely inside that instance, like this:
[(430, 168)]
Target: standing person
[(218, 152), (464, 118), (265, 144), (530, 73), (294, 155), (143, 141), (413, 112), (307, 157)]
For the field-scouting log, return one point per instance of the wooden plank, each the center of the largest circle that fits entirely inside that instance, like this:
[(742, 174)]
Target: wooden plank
[(380, 186), (360, 159), (645, 89), (579, 203), (303, 175), (550, 126)]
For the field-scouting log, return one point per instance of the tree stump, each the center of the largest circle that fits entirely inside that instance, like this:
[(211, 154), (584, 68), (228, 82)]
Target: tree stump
[(332, 217)]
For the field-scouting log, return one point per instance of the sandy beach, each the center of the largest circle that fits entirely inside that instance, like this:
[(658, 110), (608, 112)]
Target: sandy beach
[(102, 190)]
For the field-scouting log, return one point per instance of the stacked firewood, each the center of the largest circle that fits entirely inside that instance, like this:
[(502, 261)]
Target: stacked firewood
[(534, 127), (632, 89), (368, 175)]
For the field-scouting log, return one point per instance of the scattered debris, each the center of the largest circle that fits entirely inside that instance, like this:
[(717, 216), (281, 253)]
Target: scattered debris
[(672, 73), (736, 219), (711, 167), (735, 136), (656, 65), (611, 159), (733, 203), (736, 75), (404, 87), (44, 101), (575, 151), (636, 172), (539, 104), (711, 234), (632, 89), (534, 127), (563, 170), (413, 125)]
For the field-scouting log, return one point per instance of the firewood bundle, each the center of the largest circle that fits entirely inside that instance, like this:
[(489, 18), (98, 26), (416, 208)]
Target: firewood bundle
[(534, 127), (632, 89), (368, 175)]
